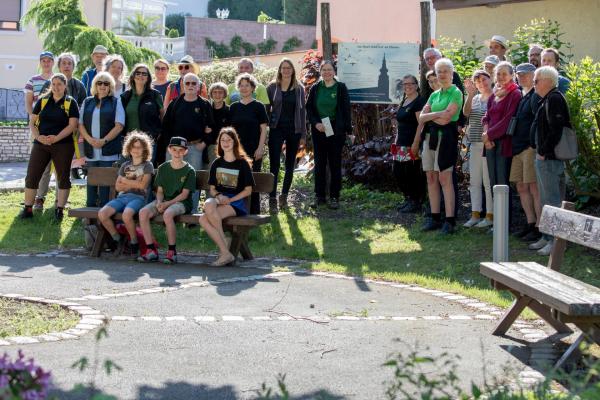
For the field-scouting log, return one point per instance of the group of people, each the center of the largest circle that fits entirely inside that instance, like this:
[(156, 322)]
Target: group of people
[(514, 118), (143, 122)]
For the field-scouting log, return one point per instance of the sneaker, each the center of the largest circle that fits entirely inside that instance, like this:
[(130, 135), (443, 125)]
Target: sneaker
[(447, 229), (547, 249), (38, 204), (525, 229), (532, 236), (26, 213), (319, 201), (472, 222), (112, 245), (431, 225), (148, 256), (484, 223), (539, 244), (170, 258), (59, 214), (334, 204)]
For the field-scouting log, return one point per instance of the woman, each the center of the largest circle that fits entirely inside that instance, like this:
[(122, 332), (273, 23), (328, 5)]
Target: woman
[(115, 65), (432, 80), (230, 183), (53, 120), (440, 147), (185, 66), (101, 123), (249, 118), (479, 90), (328, 105), (502, 106), (288, 125), (217, 92), (143, 106), (161, 76)]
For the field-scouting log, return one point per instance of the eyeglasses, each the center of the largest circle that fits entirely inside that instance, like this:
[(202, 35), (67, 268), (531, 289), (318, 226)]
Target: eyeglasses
[(182, 67), (141, 73), (191, 83), (161, 68), (102, 83), (409, 84)]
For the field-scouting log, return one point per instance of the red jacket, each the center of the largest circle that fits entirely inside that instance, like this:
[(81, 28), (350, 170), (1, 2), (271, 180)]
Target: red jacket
[(497, 119)]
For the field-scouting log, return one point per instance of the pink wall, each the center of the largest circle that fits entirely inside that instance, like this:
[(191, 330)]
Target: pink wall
[(373, 21)]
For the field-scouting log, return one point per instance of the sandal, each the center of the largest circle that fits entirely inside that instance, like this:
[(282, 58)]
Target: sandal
[(222, 261)]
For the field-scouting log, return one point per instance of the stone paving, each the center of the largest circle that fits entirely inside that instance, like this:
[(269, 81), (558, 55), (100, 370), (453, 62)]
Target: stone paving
[(192, 331)]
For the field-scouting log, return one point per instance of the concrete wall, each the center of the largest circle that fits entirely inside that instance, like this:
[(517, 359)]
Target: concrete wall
[(578, 20), (14, 144), (19, 51), (198, 29)]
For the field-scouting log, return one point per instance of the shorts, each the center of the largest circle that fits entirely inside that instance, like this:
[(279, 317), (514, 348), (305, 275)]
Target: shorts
[(430, 157), (522, 169), (177, 209), (127, 200)]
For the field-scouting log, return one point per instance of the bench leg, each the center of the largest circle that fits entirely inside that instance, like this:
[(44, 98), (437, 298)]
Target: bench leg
[(570, 351), (244, 249), (511, 315), (236, 242), (544, 312), (100, 241)]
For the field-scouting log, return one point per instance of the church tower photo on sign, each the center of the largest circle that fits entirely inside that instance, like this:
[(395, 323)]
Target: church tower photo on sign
[(380, 93)]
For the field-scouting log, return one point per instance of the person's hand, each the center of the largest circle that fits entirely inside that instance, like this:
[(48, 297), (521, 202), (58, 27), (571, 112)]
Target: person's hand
[(50, 139), (207, 130), (41, 138), (258, 154), (301, 144), (320, 127), (414, 149), (470, 87), (200, 146), (539, 157), (224, 200), (97, 143), (161, 207), (489, 145)]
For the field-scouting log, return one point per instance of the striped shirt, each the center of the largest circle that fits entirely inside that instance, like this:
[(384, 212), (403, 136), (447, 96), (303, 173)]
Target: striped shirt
[(478, 109), (35, 85)]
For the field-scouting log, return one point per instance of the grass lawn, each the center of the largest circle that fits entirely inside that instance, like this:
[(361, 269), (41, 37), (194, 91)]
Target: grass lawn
[(20, 318), (348, 241)]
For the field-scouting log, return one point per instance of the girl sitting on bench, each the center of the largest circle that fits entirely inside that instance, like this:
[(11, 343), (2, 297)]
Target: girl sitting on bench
[(230, 181)]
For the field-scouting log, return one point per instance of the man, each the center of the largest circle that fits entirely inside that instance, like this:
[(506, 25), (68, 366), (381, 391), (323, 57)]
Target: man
[(75, 88), (497, 45), (431, 55), (32, 90), (552, 116), (535, 54), (551, 58), (489, 64), (260, 94), (98, 56)]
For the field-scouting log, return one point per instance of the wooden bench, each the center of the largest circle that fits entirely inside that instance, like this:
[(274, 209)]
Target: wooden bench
[(556, 298), (239, 227)]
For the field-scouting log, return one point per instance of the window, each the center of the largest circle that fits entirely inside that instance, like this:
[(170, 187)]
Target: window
[(10, 15)]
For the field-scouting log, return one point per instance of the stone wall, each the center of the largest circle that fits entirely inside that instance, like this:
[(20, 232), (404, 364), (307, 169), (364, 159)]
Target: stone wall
[(198, 29), (14, 144)]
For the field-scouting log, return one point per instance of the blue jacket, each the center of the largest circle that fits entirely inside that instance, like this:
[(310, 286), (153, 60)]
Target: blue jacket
[(108, 111), (87, 78)]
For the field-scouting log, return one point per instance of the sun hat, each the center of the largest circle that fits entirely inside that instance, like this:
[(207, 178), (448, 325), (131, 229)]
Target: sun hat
[(501, 40)]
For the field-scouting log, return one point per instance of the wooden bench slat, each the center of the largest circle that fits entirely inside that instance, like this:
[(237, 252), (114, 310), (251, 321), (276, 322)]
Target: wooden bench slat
[(571, 226), (561, 297)]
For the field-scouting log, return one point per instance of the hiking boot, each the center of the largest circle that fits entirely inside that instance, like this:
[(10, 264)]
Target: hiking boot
[(334, 204), (170, 258), (547, 249), (112, 245), (59, 214), (525, 229), (319, 202), (148, 256), (539, 244), (431, 225), (533, 236), (25, 213), (447, 229), (283, 201), (38, 204)]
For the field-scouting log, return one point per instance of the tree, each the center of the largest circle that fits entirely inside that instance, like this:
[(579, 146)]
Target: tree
[(247, 10), (177, 21), (303, 12), (139, 25), (63, 26), (544, 32)]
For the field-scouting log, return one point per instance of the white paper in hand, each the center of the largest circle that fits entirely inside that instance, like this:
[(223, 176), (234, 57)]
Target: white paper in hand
[(327, 124)]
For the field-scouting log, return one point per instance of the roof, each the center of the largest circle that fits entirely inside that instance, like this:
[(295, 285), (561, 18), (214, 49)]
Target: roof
[(454, 4)]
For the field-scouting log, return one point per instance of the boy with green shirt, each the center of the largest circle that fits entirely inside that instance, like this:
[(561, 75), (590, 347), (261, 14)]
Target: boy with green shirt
[(175, 181)]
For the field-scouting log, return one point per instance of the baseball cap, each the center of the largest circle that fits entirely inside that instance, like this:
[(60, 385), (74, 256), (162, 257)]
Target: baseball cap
[(187, 59), (46, 54), (178, 141), (492, 60), (525, 67), (480, 72), (100, 49)]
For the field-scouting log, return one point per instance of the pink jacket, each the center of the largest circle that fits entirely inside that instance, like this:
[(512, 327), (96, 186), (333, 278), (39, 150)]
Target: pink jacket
[(497, 118)]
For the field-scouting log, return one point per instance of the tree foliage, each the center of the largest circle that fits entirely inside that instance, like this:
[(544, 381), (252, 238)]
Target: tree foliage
[(541, 31), (63, 26), (227, 71), (246, 10), (303, 12), (463, 55), (264, 18), (237, 47), (177, 21), (140, 25)]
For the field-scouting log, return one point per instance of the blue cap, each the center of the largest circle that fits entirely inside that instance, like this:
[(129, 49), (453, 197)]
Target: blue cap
[(46, 54), (525, 68)]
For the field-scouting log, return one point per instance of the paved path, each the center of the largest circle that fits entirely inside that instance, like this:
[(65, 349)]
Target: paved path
[(192, 331), (12, 176)]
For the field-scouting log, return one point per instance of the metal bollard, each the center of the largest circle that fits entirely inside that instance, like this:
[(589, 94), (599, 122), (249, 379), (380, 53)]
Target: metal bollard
[(500, 252)]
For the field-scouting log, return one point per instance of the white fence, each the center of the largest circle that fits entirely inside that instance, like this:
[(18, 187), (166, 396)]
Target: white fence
[(170, 48)]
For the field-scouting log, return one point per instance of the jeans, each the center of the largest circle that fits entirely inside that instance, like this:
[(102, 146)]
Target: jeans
[(549, 174), (328, 150), (479, 175), (277, 137), (194, 158), (97, 196), (127, 200), (498, 165)]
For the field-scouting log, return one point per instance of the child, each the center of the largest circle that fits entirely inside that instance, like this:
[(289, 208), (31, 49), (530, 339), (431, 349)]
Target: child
[(132, 184), (230, 181), (175, 180)]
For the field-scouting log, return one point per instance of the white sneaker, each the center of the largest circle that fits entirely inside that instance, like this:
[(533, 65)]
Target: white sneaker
[(538, 245), (472, 222), (484, 223), (546, 250)]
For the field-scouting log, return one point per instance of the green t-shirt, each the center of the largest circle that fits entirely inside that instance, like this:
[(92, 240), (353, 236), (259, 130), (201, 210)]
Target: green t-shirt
[(131, 112), (441, 99), (173, 181), (260, 94), (327, 100)]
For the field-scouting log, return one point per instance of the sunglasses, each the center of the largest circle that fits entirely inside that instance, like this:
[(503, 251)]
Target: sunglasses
[(182, 67), (161, 68), (141, 73), (103, 83), (191, 83)]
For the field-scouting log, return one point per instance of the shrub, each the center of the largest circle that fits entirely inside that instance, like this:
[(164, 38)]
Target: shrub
[(463, 54), (22, 379), (173, 33), (267, 46), (541, 31), (291, 44), (227, 71)]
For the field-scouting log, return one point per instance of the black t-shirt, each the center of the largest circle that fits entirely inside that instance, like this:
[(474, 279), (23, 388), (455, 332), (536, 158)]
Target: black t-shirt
[(222, 119), (53, 118), (230, 178), (246, 119), (525, 115), (288, 109), (407, 121), (190, 118)]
